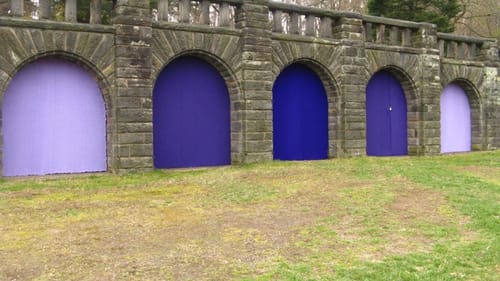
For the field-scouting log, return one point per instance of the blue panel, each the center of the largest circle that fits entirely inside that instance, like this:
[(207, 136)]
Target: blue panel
[(386, 116), (300, 115), (191, 116)]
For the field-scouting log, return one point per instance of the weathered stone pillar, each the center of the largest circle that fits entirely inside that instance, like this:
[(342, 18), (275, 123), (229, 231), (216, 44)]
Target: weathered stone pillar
[(256, 81), (490, 90), (132, 146), (351, 133), (428, 84)]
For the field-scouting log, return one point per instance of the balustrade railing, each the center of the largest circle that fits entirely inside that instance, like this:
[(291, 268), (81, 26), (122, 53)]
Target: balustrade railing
[(300, 20), (285, 19), (459, 47), (219, 13), (42, 9), (390, 31)]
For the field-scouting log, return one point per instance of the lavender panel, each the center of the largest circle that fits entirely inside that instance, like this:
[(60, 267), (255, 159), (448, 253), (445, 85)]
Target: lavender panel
[(455, 120), (54, 121)]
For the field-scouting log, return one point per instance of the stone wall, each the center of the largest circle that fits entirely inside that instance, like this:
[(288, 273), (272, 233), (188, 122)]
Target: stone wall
[(344, 49)]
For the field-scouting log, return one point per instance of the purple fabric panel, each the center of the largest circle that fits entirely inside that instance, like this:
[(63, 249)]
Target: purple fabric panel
[(191, 116), (399, 124), (386, 116), (54, 121), (300, 115), (455, 120)]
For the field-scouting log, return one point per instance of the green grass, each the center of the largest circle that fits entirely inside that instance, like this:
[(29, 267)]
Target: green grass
[(404, 218)]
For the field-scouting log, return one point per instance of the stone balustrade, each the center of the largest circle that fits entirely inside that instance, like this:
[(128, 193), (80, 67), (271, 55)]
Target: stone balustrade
[(467, 48), (43, 10), (205, 12), (307, 21), (390, 31)]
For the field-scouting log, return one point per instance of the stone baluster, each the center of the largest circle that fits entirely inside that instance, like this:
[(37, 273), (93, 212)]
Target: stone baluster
[(310, 22), (95, 11), (381, 33), (163, 10), (70, 10), (277, 19), (395, 35), (205, 12), (463, 50), (406, 37), (368, 32), (442, 48), (184, 8), (325, 29), (44, 10), (294, 23), (472, 51), (451, 49), (17, 8), (224, 14)]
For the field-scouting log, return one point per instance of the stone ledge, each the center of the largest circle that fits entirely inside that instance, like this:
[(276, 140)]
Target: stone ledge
[(196, 28), (304, 39), (55, 25), (400, 49)]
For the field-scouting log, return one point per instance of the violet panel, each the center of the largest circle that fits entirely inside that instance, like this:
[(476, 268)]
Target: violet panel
[(191, 116)]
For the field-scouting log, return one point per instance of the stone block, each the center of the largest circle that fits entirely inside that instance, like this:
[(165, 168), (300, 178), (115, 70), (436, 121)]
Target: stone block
[(259, 105)]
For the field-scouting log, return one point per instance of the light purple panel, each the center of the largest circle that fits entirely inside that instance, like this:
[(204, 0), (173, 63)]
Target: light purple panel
[(54, 121), (455, 120)]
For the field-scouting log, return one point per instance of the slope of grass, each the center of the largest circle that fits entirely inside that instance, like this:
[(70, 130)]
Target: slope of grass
[(408, 218)]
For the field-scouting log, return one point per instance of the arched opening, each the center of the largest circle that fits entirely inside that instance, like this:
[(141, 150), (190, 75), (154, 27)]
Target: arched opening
[(300, 115), (455, 120), (53, 121), (191, 116), (386, 116)]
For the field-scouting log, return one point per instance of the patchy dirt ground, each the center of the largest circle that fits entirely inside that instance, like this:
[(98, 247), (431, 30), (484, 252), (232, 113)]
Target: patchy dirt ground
[(220, 224)]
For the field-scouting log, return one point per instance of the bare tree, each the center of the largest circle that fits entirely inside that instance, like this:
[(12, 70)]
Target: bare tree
[(479, 18)]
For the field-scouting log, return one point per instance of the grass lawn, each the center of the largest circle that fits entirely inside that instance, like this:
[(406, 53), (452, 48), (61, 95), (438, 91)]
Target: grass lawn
[(404, 218)]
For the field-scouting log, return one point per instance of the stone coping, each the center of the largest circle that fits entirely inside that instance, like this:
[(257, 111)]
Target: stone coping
[(461, 38), (196, 28), (55, 25), (395, 22)]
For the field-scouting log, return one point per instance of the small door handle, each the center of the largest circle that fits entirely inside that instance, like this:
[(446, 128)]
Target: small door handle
[(390, 108)]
